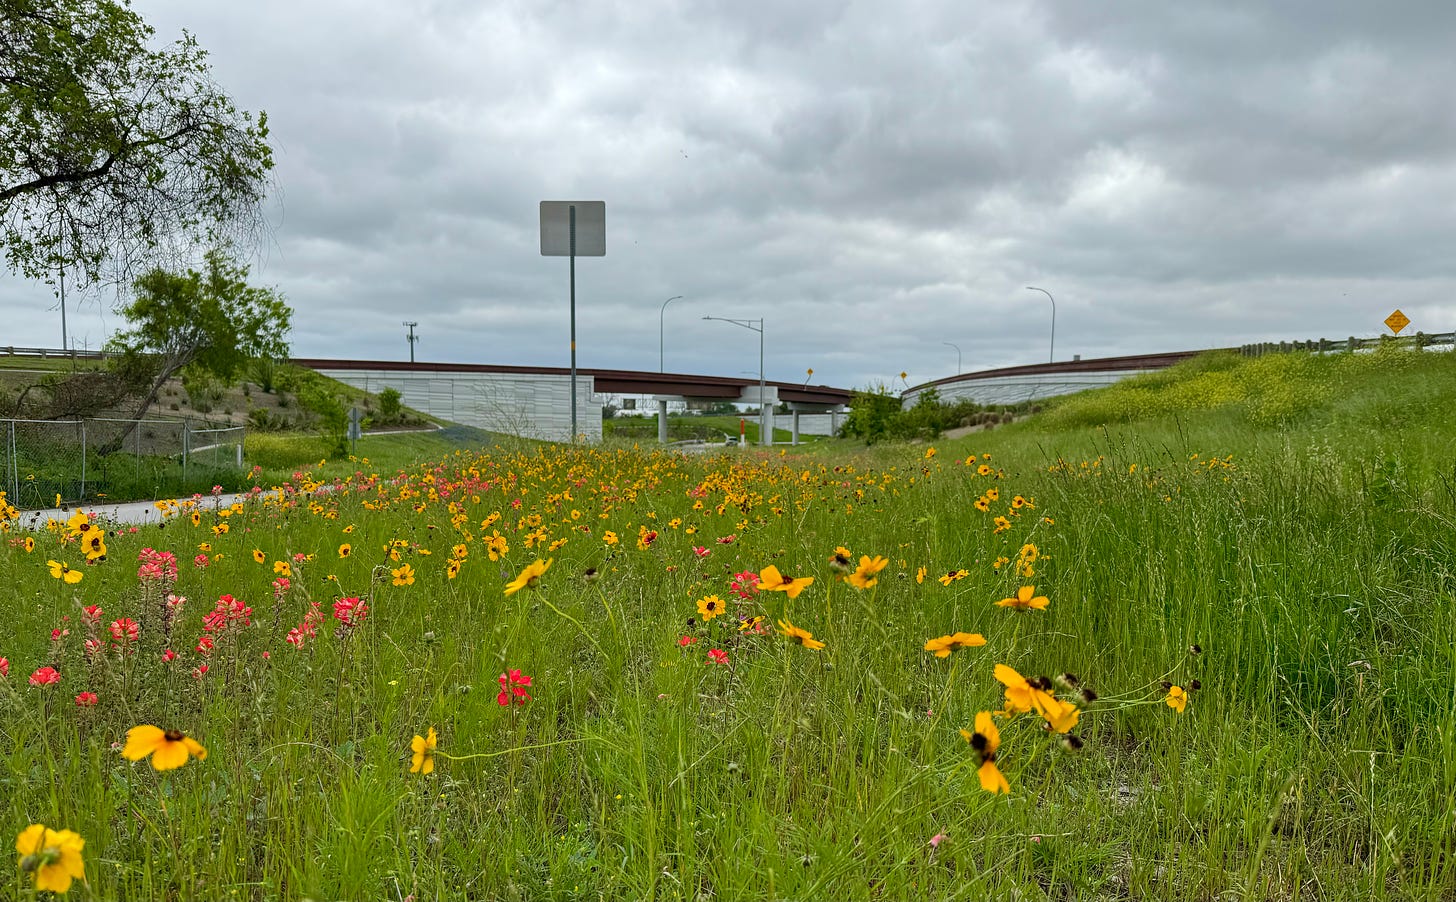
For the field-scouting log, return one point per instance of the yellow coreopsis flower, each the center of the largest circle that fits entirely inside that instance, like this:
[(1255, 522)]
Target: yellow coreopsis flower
[(345, 550), (944, 645), (953, 576), (1026, 695), (864, 575), (62, 571), (1177, 698), (423, 759), (1026, 599), (529, 577), (259, 556), (710, 606), (403, 575), (771, 580), (986, 740), (799, 636), (52, 857), (169, 749)]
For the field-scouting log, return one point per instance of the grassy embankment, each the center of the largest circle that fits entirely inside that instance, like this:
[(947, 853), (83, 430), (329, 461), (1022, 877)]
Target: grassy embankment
[(1290, 516)]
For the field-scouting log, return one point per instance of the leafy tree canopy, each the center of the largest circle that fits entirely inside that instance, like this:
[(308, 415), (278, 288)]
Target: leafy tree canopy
[(212, 320), (112, 152)]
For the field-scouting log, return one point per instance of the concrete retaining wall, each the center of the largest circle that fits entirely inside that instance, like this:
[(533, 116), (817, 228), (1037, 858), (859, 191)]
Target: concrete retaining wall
[(528, 405)]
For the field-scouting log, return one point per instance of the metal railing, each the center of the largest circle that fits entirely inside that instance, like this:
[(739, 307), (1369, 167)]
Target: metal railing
[(81, 459), (53, 353), (1418, 341)]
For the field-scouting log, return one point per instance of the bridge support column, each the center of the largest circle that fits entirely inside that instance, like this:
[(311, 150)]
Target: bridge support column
[(662, 422), (795, 439)]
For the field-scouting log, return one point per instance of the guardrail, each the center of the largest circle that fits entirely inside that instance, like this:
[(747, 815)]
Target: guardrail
[(1325, 346), (49, 353)]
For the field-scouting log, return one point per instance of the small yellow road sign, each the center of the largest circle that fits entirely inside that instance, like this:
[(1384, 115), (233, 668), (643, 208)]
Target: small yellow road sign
[(1397, 321)]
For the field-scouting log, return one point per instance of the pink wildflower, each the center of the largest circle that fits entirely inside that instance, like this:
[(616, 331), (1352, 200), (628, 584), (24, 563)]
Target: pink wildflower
[(513, 684), (350, 611), (45, 676), (86, 700), (717, 656), (125, 630)]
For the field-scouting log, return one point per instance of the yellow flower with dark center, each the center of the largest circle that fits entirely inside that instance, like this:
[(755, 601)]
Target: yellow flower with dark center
[(843, 560), (1177, 698), (345, 550), (1024, 695), (29, 544), (986, 741), (403, 575), (529, 577), (169, 749), (1026, 599), (283, 569), (749, 623), (799, 636), (954, 575), (63, 571), (452, 569), (93, 542), (610, 537), (52, 857), (993, 494), (460, 552), (710, 606), (196, 518), (771, 580), (864, 575), (955, 641), (423, 759), (259, 556), (983, 504)]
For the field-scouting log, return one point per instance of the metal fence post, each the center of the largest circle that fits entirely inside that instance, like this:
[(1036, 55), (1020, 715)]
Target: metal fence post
[(14, 467), (185, 438), (83, 462)]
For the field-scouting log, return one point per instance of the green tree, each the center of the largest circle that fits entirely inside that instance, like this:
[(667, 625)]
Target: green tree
[(113, 152), (212, 321)]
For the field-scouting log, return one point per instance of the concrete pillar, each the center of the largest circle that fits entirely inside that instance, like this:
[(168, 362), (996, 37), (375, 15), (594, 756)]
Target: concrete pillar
[(795, 439), (662, 422), (766, 425)]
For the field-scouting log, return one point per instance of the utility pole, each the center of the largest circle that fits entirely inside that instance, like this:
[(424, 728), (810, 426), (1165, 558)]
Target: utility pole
[(412, 339), (65, 336)]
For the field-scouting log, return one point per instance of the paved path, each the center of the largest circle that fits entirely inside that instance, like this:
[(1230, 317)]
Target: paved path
[(128, 513)]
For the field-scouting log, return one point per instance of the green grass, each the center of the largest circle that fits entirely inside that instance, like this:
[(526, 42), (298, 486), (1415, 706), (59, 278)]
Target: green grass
[(1312, 561), (710, 428)]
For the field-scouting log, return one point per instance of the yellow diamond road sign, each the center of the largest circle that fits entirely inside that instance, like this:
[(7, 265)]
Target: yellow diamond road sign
[(1397, 321)]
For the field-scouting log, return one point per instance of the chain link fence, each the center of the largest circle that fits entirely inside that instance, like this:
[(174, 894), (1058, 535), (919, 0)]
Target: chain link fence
[(79, 460)]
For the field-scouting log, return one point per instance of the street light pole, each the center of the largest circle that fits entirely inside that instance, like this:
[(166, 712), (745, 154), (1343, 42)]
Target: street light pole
[(661, 331), (764, 436), (958, 355), (1052, 357)]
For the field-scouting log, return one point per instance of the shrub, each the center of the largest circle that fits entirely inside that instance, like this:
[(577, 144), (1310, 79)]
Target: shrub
[(389, 402)]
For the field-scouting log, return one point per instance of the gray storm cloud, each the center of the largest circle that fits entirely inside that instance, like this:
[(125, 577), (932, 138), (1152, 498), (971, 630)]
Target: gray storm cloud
[(872, 179)]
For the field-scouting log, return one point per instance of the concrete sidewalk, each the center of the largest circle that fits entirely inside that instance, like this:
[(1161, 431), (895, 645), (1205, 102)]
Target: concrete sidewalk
[(127, 513)]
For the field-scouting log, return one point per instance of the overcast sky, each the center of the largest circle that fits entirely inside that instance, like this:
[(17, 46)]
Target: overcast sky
[(874, 179)]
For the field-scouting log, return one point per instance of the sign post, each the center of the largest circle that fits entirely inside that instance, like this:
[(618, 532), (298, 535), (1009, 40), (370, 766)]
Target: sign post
[(572, 228)]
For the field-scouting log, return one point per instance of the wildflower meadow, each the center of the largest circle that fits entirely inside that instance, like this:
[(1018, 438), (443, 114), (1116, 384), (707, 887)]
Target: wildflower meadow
[(1191, 657)]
